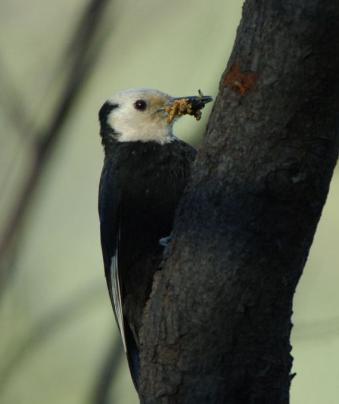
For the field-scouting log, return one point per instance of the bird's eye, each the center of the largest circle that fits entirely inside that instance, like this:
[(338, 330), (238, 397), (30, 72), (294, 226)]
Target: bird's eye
[(140, 105)]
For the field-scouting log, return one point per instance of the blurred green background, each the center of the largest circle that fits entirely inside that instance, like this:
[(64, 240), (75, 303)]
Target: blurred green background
[(59, 342)]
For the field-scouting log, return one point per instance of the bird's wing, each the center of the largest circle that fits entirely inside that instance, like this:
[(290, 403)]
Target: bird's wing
[(109, 205)]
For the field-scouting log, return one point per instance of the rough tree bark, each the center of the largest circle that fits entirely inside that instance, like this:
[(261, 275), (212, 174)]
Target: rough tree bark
[(217, 325)]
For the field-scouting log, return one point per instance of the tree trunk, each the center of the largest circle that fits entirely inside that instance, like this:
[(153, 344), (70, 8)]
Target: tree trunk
[(217, 325)]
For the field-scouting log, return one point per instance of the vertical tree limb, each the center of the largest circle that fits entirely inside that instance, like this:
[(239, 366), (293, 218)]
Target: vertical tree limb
[(217, 325)]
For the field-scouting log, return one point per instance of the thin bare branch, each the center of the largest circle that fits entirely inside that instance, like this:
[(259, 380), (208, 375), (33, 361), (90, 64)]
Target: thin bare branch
[(86, 55), (12, 103), (55, 321)]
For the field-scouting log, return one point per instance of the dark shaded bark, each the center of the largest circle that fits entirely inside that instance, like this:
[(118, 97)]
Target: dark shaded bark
[(217, 325)]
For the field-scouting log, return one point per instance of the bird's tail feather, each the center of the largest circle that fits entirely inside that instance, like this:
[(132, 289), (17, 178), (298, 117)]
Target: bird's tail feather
[(133, 356)]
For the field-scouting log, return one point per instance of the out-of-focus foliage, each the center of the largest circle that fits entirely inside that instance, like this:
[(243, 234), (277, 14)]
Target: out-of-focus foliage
[(57, 326)]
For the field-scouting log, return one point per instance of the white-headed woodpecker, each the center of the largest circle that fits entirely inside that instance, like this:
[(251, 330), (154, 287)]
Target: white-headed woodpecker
[(145, 172)]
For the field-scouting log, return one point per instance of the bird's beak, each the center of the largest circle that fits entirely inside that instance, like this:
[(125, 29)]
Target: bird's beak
[(190, 105), (197, 102)]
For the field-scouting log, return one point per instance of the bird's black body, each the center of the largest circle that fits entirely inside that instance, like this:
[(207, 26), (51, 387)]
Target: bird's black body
[(145, 171), (141, 184)]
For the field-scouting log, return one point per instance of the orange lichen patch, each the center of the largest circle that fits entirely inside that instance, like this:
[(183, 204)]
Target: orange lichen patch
[(180, 107), (238, 81)]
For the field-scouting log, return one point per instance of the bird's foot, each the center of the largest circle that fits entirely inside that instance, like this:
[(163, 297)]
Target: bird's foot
[(164, 241)]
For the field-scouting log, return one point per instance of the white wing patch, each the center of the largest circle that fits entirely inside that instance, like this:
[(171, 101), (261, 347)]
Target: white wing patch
[(116, 295)]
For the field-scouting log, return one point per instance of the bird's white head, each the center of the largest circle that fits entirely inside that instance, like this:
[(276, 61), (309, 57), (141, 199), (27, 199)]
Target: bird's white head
[(142, 115)]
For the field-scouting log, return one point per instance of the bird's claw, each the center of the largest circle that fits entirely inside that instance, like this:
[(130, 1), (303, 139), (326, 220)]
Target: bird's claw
[(164, 241)]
